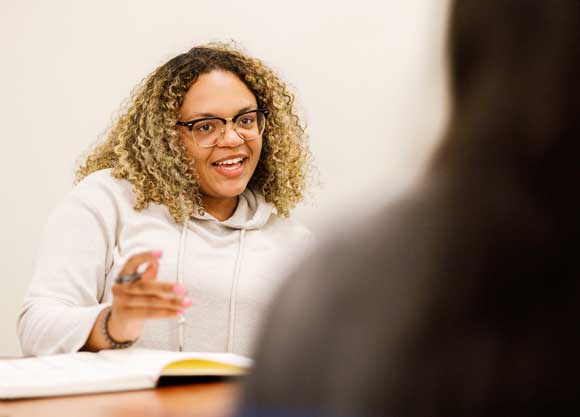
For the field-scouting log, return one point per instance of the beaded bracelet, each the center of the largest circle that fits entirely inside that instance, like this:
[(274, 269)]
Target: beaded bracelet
[(115, 344)]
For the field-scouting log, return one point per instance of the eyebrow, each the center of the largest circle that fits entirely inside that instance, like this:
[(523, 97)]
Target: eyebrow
[(203, 115)]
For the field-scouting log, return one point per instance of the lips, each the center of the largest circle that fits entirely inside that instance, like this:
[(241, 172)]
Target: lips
[(229, 161), (231, 166)]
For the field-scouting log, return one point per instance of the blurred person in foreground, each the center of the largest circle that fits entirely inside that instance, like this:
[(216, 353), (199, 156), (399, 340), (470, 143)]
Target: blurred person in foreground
[(462, 298)]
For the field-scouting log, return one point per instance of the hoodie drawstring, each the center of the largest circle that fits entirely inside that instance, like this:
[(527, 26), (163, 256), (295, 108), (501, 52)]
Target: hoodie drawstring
[(234, 291), (180, 261)]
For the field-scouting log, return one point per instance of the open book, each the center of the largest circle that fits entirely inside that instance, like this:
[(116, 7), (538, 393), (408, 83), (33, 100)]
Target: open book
[(110, 370)]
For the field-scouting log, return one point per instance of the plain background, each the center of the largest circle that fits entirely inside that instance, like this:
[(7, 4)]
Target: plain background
[(368, 76)]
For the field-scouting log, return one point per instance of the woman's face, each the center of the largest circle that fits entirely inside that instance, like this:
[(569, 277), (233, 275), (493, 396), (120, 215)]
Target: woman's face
[(221, 94)]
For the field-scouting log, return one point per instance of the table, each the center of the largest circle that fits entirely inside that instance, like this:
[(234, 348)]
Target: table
[(215, 399)]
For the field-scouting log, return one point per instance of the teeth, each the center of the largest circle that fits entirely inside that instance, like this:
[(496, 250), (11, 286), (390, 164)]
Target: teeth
[(230, 161)]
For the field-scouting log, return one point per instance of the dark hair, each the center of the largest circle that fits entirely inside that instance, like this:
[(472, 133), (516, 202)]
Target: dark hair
[(513, 76), (501, 330)]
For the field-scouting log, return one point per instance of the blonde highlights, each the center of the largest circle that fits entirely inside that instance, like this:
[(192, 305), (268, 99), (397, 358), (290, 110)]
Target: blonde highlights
[(144, 147)]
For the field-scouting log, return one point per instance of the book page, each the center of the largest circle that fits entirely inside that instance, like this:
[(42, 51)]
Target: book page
[(67, 374), (107, 370)]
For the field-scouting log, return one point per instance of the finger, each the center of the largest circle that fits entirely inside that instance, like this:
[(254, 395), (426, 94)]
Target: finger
[(134, 261), (160, 289), (148, 313), (138, 301)]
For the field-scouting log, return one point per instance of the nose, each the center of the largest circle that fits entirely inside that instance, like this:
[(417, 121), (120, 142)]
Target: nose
[(230, 137)]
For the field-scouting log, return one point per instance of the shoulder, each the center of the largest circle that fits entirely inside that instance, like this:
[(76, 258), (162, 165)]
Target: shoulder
[(103, 180), (290, 224), (97, 196), (289, 228), (95, 203), (101, 188)]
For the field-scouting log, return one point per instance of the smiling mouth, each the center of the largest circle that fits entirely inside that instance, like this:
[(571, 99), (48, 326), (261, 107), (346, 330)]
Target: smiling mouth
[(230, 164)]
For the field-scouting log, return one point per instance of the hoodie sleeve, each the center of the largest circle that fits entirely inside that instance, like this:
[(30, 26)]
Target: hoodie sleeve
[(62, 302)]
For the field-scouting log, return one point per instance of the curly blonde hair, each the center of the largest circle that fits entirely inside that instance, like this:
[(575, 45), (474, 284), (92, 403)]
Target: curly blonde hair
[(144, 147)]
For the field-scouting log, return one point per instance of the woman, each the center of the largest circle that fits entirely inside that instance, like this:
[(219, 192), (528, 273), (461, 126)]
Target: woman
[(463, 298), (190, 192)]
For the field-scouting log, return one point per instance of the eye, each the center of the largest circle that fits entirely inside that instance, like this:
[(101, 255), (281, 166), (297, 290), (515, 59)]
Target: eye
[(246, 120), (204, 127)]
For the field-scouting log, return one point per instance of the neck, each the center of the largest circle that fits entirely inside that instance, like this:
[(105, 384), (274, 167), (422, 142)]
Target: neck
[(220, 208)]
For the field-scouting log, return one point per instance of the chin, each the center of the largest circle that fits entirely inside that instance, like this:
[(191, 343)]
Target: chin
[(231, 190)]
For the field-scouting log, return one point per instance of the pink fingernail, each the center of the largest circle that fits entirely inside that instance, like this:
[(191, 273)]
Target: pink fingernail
[(186, 302), (179, 289), (157, 253)]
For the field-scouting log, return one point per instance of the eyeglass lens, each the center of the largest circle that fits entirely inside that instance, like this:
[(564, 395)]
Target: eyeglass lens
[(248, 126)]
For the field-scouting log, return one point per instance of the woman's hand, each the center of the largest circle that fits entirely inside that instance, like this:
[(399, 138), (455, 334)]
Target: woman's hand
[(144, 299)]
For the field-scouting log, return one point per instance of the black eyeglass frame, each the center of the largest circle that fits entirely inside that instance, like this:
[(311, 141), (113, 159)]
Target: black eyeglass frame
[(224, 120), (189, 124)]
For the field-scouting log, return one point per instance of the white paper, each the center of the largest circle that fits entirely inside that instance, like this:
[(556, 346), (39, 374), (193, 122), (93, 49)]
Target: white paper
[(85, 372)]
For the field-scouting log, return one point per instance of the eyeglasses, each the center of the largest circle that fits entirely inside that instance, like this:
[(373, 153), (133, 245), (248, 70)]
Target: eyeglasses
[(207, 132)]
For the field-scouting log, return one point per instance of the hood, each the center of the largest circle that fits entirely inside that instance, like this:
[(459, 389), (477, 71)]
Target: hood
[(252, 212)]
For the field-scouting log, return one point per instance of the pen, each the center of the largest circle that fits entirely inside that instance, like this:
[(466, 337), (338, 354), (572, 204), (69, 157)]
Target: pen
[(135, 276)]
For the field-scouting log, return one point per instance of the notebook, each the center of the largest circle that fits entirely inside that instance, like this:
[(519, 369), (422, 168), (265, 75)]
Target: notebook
[(111, 370)]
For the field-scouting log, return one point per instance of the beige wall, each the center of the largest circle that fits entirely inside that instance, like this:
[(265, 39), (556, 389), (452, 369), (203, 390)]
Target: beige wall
[(368, 75)]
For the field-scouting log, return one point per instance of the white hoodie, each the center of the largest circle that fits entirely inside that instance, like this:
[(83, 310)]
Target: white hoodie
[(229, 268)]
